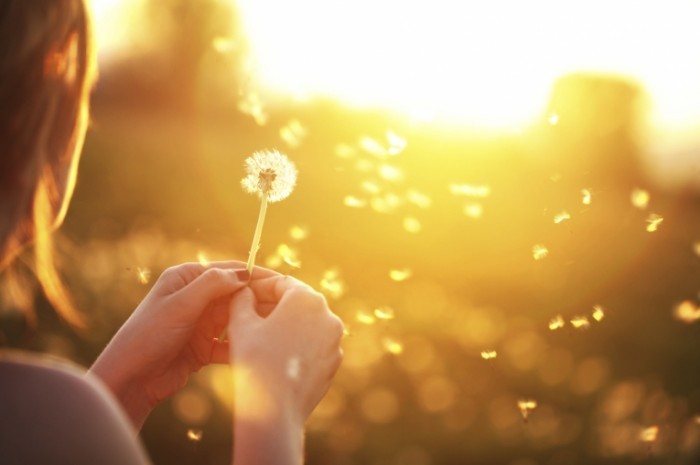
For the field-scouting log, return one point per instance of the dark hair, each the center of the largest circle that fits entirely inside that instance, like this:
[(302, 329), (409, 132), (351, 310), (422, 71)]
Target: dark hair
[(46, 72)]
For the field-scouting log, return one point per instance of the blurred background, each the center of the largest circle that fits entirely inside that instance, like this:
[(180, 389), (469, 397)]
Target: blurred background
[(500, 199)]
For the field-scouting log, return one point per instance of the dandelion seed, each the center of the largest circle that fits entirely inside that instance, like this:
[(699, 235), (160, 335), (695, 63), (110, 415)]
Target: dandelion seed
[(293, 133), (561, 217), (649, 434), (526, 406), (388, 203), (598, 312), (553, 119), (384, 313), (580, 322), (194, 435), (331, 284), (372, 147), (298, 233), (654, 221), (419, 199), (474, 210), (365, 318), (556, 323), (640, 198), (354, 202), (289, 255), (399, 275), (252, 105), (223, 44), (344, 151), (396, 143), (202, 258), (143, 275), (586, 196), (392, 346), (539, 251), (390, 172), (488, 354), (687, 312), (370, 187), (470, 190), (412, 225)]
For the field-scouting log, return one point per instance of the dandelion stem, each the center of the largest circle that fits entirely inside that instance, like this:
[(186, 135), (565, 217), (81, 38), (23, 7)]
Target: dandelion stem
[(258, 233)]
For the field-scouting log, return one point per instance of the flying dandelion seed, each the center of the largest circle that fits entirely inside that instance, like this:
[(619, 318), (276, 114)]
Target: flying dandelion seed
[(384, 313), (223, 45), (372, 147), (298, 233), (194, 435), (488, 354), (687, 312), (344, 151), (470, 190), (399, 275), (561, 217), (390, 172), (553, 119), (539, 251), (288, 255), (354, 202), (653, 221), (586, 196), (397, 144), (412, 225), (202, 258), (392, 346), (365, 318), (418, 199), (293, 133), (143, 275), (598, 312), (640, 198), (526, 406), (370, 187), (388, 203), (556, 323), (251, 105), (580, 322), (474, 210), (649, 434), (332, 285)]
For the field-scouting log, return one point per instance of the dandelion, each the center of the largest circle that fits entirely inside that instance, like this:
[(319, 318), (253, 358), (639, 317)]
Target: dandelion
[(272, 177)]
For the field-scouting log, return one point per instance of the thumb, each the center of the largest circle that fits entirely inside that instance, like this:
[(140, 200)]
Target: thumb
[(209, 286), (243, 309)]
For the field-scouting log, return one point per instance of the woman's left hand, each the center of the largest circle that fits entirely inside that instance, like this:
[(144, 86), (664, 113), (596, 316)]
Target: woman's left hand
[(171, 334)]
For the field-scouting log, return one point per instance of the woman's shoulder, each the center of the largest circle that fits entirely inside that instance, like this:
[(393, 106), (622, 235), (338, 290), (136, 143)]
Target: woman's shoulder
[(52, 412)]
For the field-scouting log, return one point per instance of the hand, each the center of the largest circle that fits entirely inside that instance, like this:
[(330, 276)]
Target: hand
[(285, 352), (171, 334)]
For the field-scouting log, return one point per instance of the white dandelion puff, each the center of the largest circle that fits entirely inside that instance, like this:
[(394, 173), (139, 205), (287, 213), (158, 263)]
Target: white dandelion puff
[(269, 174)]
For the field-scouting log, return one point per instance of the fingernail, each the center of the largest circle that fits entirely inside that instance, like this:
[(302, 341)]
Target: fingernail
[(243, 275)]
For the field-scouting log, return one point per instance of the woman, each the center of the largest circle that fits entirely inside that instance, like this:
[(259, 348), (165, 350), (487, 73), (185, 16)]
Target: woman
[(54, 413)]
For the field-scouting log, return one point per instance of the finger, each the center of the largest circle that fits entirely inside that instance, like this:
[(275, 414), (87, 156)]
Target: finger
[(220, 352), (272, 289), (192, 270), (243, 309), (214, 283)]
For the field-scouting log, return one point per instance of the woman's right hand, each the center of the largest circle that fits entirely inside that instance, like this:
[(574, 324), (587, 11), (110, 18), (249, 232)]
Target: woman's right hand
[(285, 350)]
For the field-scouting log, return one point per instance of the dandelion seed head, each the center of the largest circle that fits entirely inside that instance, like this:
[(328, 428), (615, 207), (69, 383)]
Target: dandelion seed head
[(269, 173)]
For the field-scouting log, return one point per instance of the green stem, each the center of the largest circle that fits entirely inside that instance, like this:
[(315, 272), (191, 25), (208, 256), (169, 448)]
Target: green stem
[(256, 237)]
